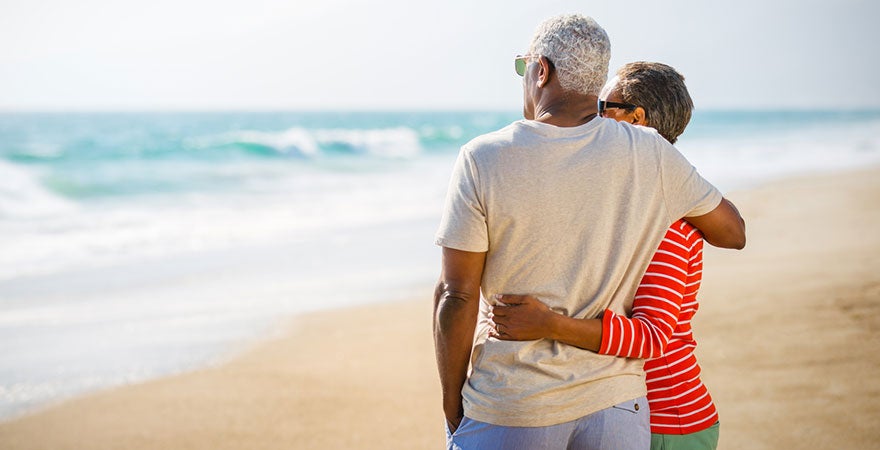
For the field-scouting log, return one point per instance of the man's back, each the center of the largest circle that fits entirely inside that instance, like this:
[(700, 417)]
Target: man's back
[(571, 215)]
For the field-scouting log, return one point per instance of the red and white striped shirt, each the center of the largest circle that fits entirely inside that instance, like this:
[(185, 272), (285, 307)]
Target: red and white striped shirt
[(660, 331)]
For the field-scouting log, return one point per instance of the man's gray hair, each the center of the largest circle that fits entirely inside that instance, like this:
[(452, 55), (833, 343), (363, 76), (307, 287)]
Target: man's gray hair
[(579, 50), (661, 91)]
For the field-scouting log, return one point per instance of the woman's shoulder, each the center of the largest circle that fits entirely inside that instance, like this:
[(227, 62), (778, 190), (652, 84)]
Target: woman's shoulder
[(683, 231)]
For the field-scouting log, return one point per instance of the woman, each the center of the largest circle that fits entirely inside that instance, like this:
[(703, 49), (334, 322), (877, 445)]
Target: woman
[(683, 415)]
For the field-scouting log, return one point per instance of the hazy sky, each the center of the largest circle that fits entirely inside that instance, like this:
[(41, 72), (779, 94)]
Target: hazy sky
[(407, 54)]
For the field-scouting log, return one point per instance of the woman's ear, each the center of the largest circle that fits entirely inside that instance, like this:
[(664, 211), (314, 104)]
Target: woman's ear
[(638, 117)]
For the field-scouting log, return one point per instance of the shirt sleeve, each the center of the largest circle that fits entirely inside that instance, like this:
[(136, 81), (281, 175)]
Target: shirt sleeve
[(657, 303), (687, 194), (463, 223)]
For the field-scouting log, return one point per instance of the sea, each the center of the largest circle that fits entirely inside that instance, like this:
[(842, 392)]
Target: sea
[(140, 245)]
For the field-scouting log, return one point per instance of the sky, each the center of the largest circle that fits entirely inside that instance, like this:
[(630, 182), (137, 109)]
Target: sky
[(118, 55)]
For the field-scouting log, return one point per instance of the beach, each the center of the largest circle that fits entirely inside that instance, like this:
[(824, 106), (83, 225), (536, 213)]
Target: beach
[(788, 335)]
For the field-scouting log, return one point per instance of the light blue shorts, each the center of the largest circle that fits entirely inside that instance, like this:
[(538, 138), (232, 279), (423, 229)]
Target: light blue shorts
[(625, 426)]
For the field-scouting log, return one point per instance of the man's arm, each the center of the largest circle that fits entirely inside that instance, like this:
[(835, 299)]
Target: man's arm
[(722, 227), (456, 306)]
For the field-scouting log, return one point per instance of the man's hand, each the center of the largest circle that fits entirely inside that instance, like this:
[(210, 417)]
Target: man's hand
[(454, 412), (521, 318), (453, 423)]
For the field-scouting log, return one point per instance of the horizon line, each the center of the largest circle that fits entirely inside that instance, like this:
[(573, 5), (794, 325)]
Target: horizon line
[(244, 110)]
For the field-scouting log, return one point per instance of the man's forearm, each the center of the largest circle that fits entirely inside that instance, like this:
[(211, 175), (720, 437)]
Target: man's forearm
[(455, 319), (456, 306)]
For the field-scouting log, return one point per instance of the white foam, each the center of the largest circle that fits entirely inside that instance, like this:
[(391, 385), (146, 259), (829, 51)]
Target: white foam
[(397, 142), (289, 203), (400, 142), (22, 196)]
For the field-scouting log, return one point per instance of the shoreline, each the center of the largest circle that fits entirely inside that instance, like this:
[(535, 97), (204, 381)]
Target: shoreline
[(788, 330), (157, 317)]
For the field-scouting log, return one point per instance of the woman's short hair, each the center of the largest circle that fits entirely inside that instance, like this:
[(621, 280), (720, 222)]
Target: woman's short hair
[(579, 50), (660, 91)]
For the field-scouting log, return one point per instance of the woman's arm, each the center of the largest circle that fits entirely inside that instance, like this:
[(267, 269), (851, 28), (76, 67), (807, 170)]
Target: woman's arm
[(655, 308), (674, 271), (525, 318)]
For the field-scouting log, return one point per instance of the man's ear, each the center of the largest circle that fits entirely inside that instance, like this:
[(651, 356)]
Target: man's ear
[(543, 71), (638, 116)]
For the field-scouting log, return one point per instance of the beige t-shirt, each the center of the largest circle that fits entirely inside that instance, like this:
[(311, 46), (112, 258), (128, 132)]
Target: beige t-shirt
[(572, 216)]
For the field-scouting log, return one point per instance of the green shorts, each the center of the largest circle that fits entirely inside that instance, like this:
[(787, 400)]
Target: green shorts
[(701, 440)]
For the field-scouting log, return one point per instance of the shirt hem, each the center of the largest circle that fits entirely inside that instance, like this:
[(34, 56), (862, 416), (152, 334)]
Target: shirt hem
[(541, 418)]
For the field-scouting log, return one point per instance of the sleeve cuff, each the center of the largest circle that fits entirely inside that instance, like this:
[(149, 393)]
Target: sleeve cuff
[(607, 320), (461, 245)]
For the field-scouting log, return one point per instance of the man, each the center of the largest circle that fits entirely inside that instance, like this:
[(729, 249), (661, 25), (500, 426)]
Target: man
[(567, 207)]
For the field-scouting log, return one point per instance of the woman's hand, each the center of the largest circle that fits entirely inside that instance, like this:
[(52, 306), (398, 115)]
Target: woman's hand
[(521, 318)]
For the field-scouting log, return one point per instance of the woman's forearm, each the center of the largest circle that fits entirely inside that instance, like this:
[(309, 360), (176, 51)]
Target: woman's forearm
[(583, 333), (524, 318)]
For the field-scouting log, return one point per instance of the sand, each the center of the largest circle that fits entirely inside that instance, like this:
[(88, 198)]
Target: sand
[(789, 333)]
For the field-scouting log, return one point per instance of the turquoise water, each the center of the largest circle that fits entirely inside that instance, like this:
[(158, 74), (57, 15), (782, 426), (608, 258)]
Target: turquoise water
[(85, 157), (136, 245), (93, 157)]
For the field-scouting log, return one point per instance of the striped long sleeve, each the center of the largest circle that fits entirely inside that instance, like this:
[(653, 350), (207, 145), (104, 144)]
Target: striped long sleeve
[(660, 331)]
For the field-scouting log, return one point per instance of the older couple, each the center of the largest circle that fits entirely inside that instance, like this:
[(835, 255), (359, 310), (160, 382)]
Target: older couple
[(568, 207)]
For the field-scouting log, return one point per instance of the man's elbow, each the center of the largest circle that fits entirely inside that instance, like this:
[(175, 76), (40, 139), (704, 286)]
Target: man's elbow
[(740, 242), (739, 236), (731, 245), (450, 301)]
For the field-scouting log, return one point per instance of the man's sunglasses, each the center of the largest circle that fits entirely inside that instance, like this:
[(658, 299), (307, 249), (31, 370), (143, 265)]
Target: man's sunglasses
[(520, 63), (603, 105)]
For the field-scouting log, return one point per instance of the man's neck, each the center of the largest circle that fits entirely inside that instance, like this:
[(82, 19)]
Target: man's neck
[(572, 111)]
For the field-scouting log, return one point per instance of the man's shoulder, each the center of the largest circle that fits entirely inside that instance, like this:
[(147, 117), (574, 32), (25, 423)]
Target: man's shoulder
[(645, 143), (636, 133), (496, 140), (607, 133)]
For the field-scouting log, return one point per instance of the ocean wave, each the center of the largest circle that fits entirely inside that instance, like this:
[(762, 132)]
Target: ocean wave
[(23, 196), (398, 142), (392, 143), (291, 142), (35, 152)]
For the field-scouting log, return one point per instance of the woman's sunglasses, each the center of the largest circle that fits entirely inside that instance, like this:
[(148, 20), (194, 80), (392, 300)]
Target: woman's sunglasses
[(603, 105)]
